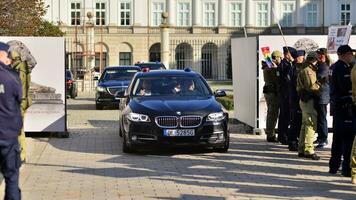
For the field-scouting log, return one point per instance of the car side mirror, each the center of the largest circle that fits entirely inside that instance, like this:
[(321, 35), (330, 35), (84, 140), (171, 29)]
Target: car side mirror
[(120, 95), (219, 93)]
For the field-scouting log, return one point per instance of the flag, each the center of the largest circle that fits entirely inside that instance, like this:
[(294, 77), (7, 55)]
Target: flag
[(267, 56)]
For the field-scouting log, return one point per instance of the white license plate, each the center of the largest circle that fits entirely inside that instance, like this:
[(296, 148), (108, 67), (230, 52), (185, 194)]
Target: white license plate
[(178, 132)]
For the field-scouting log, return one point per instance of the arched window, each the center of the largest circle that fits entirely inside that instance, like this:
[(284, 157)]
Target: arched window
[(208, 59), (184, 56)]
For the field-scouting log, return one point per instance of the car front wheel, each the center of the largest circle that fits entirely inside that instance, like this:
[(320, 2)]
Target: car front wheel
[(99, 106), (126, 148), (225, 147)]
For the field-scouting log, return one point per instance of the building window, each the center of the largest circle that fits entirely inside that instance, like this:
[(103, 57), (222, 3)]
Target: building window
[(97, 59), (236, 14), (75, 13), (100, 13), (345, 13), (287, 14), (183, 14), (125, 58), (312, 15), (262, 14), (209, 14), (125, 13), (157, 10)]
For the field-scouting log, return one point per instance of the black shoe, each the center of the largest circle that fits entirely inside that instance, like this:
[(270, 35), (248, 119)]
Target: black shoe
[(346, 174), (301, 155), (312, 156), (321, 145), (271, 139), (332, 171), (293, 147), (283, 141), (317, 141)]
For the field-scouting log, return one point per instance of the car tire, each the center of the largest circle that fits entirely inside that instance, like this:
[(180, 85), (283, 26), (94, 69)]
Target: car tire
[(120, 132), (99, 106), (224, 148), (126, 148)]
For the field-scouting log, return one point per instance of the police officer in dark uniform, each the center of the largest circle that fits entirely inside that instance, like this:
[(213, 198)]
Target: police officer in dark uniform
[(341, 95), (10, 125), (295, 111), (284, 83)]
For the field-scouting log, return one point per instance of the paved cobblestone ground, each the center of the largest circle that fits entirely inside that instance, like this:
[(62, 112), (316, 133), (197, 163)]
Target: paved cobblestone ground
[(91, 165)]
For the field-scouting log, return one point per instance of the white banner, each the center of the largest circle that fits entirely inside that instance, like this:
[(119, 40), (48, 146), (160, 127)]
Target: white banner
[(337, 36), (47, 113)]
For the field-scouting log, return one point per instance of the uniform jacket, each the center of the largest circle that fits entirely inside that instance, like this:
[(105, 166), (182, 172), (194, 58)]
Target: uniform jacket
[(293, 94), (271, 76), (284, 79), (353, 80), (25, 76), (324, 93), (307, 80), (10, 100), (340, 84)]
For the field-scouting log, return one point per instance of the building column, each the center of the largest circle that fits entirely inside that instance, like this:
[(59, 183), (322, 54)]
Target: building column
[(249, 13), (274, 12), (298, 13), (171, 12), (222, 13), (196, 13)]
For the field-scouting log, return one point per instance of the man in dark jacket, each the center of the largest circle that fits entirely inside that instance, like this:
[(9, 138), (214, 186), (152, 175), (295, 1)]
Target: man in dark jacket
[(323, 98), (341, 96), (284, 84), (10, 124), (295, 111)]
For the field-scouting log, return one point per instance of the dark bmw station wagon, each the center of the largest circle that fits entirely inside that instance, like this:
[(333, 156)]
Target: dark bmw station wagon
[(172, 107), (113, 80)]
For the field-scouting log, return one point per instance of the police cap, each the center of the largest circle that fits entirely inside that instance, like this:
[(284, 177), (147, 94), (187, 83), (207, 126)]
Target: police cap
[(343, 49), (300, 53), (276, 54), (322, 51), (290, 49), (312, 55), (4, 47)]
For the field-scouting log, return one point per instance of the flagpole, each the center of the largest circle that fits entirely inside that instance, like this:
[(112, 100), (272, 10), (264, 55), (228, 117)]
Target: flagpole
[(280, 30)]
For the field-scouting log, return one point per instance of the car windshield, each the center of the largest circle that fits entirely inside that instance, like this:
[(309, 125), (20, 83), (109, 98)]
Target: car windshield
[(170, 86), (151, 66), (118, 74)]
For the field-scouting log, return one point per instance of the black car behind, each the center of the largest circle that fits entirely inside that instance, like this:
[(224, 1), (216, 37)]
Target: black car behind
[(149, 66), (113, 80), (172, 107)]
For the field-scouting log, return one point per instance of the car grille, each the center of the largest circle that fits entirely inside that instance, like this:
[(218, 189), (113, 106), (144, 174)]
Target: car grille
[(190, 121), (173, 121), (167, 121), (114, 90)]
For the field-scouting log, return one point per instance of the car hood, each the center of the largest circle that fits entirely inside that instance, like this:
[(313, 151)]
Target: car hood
[(170, 106), (112, 83)]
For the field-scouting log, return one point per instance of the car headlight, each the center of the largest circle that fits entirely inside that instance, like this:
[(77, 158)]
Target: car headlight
[(100, 89), (216, 116), (138, 117)]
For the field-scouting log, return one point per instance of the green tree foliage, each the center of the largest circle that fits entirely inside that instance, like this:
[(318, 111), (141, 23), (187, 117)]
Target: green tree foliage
[(25, 18), (48, 29)]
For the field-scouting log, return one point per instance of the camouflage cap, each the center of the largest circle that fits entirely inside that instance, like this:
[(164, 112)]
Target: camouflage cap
[(312, 55), (322, 51), (277, 54)]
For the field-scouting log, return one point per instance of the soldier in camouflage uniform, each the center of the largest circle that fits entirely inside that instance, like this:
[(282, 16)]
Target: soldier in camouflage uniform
[(25, 76), (270, 91), (353, 152), (308, 87)]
